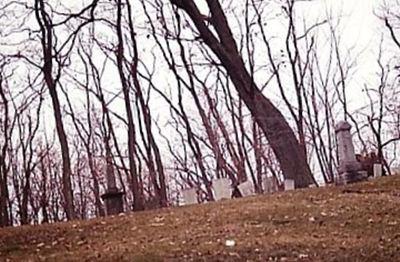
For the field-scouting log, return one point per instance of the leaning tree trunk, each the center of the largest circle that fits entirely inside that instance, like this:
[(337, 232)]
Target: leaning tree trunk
[(280, 135)]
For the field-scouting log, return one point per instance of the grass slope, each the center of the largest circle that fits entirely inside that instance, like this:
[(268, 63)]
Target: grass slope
[(360, 222)]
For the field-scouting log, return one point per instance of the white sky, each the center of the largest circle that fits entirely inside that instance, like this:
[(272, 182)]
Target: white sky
[(360, 30)]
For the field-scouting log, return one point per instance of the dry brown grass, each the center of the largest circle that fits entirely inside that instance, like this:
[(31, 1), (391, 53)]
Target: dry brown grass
[(360, 222)]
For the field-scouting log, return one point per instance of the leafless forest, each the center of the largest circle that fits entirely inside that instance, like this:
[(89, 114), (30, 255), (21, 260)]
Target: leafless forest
[(154, 96)]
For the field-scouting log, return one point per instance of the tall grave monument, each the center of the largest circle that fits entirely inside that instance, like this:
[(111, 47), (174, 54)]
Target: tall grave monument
[(112, 197), (350, 169)]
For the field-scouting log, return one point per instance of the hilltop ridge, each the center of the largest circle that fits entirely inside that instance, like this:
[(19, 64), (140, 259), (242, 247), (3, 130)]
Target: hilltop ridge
[(358, 222)]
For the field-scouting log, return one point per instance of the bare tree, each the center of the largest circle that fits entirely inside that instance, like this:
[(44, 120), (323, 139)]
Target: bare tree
[(269, 118), (53, 54), (7, 124), (27, 132)]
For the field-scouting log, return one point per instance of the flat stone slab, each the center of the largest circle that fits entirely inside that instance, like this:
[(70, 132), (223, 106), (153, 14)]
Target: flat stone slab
[(395, 171), (289, 184), (189, 196), (222, 188), (351, 177), (378, 170), (247, 189), (270, 185)]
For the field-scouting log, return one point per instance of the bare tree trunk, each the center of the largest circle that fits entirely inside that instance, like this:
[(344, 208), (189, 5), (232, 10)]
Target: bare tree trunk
[(47, 47), (43, 194), (280, 135), (4, 194), (4, 215), (138, 198)]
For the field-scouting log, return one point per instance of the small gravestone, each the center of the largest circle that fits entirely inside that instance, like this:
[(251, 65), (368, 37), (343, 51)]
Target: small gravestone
[(189, 196), (289, 184), (222, 188), (395, 171), (377, 170), (113, 201), (350, 170), (270, 185), (246, 188)]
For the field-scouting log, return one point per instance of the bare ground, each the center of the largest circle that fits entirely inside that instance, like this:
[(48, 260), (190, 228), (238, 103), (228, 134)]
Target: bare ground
[(360, 222)]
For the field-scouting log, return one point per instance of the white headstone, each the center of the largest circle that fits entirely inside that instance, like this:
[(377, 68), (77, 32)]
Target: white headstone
[(222, 188), (377, 170), (246, 188), (395, 171), (189, 196), (289, 184), (270, 185)]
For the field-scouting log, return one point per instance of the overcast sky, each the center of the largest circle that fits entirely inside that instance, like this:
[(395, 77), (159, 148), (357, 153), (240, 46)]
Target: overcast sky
[(359, 29)]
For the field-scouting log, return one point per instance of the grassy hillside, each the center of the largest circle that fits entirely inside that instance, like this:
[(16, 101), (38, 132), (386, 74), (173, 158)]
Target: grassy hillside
[(360, 222)]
